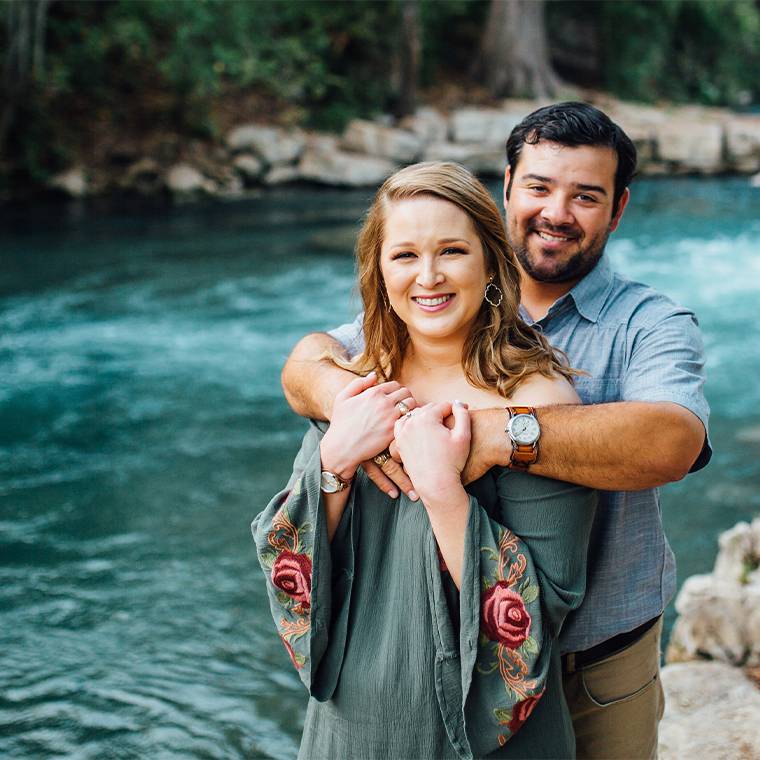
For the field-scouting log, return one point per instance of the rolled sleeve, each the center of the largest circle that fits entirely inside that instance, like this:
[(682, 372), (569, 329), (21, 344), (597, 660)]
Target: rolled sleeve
[(667, 364), (350, 336)]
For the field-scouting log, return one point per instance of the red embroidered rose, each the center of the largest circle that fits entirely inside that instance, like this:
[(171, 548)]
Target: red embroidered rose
[(292, 574), (505, 618), (521, 712), (291, 653)]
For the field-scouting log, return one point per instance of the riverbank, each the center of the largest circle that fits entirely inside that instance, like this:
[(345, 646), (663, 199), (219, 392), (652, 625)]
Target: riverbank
[(251, 156), (713, 673)]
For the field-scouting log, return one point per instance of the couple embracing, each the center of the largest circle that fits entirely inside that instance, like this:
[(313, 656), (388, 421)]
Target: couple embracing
[(469, 560)]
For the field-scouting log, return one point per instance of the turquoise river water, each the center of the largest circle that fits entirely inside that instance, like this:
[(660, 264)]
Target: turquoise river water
[(142, 427)]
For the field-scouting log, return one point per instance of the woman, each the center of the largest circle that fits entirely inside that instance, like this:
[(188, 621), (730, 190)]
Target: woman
[(429, 629)]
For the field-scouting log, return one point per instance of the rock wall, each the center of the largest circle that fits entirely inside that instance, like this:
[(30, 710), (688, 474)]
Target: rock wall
[(684, 140)]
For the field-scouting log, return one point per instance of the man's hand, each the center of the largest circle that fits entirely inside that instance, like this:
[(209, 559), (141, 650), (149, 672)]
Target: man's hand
[(390, 478)]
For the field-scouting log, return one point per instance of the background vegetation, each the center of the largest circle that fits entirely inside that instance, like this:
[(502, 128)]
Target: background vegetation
[(76, 68)]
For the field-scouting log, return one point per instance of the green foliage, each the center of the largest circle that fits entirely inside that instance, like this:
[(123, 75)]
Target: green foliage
[(681, 50), (148, 64)]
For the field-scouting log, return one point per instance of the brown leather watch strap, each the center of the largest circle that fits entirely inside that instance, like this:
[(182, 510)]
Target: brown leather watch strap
[(523, 454)]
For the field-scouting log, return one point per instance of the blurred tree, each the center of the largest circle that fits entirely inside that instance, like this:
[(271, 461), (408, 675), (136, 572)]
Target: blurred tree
[(514, 53), (410, 58), (24, 62)]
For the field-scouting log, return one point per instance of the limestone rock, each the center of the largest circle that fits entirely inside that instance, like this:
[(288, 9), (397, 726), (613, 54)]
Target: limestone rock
[(248, 167), (487, 126), (143, 177), (690, 144), (719, 614), (743, 142), (711, 622), (271, 144), (736, 546), (183, 181), (711, 710), (429, 125), (755, 180), (479, 159), (281, 175), (72, 182), (323, 162), (373, 139)]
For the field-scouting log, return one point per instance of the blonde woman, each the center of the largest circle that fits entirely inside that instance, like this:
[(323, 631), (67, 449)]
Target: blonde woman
[(428, 629)]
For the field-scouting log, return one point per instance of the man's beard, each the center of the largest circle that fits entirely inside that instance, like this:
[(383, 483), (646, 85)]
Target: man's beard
[(575, 267)]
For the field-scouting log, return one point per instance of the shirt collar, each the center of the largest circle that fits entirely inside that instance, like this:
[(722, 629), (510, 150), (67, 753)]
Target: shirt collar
[(591, 292)]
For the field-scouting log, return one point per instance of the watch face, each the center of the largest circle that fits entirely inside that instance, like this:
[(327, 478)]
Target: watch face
[(524, 429), (329, 483)]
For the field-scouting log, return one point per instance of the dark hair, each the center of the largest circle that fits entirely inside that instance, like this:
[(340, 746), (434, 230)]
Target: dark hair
[(572, 124)]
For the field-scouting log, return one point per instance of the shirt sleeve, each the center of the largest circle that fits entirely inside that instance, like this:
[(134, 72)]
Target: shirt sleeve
[(350, 336), (524, 571), (308, 579), (667, 364)]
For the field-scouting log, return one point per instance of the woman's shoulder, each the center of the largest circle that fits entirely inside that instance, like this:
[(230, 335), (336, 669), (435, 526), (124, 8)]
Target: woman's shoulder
[(535, 390), (539, 390)]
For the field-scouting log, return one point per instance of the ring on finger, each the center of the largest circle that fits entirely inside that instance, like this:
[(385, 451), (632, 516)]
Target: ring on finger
[(409, 414), (382, 458), (402, 407)]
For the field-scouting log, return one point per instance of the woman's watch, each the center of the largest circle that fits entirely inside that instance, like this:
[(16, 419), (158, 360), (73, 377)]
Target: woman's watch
[(523, 431), (329, 482)]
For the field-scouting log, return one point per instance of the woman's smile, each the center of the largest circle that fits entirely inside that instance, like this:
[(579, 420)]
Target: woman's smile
[(434, 303)]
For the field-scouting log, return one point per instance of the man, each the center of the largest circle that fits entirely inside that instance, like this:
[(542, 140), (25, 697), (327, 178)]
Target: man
[(643, 422)]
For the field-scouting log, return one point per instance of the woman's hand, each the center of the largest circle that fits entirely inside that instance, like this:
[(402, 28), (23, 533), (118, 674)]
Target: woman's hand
[(434, 455), (362, 423)]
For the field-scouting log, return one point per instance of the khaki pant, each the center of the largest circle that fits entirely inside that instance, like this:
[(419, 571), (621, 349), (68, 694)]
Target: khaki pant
[(616, 703)]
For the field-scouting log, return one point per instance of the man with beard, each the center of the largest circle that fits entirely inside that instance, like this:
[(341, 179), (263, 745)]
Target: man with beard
[(643, 422)]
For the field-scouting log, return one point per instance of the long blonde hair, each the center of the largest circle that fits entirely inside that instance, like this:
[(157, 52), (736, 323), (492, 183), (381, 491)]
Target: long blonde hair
[(501, 350)]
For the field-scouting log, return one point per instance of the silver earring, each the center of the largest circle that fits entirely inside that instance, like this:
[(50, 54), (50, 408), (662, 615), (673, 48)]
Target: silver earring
[(498, 294)]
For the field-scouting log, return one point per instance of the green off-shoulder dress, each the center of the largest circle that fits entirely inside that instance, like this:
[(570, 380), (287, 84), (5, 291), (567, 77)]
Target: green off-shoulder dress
[(397, 662)]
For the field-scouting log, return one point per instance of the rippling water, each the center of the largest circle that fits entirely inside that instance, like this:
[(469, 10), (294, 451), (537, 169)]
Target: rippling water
[(142, 426)]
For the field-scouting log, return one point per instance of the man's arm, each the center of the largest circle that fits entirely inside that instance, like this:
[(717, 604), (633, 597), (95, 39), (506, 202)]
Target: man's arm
[(622, 446), (311, 383)]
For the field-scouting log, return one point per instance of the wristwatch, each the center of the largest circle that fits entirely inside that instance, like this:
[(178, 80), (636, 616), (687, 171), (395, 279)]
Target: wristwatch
[(329, 482), (523, 431)]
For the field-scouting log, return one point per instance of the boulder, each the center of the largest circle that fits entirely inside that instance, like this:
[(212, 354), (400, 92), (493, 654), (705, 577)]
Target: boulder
[(743, 142), (250, 168), (325, 163), (72, 182), (143, 177), (755, 180), (184, 181), (710, 623), (486, 126), (479, 159), (373, 139), (711, 710), (429, 125), (271, 144), (281, 175), (691, 145), (736, 546), (719, 613)]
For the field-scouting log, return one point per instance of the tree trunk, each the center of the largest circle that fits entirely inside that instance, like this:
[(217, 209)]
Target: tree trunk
[(24, 56), (514, 52), (411, 48)]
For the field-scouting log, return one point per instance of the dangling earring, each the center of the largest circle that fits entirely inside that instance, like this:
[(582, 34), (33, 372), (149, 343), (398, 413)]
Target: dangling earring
[(498, 294)]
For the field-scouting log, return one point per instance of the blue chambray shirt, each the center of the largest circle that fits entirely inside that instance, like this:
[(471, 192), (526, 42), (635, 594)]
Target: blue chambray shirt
[(636, 345)]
